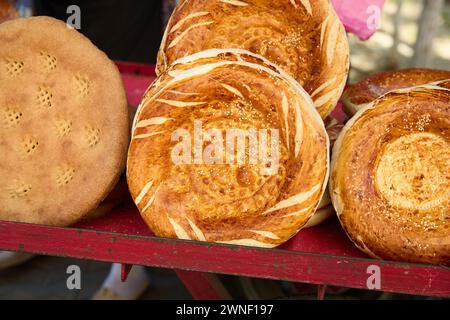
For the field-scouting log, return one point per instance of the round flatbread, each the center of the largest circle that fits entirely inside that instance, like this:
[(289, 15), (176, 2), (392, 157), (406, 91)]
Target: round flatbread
[(390, 176), (305, 38), (357, 96), (193, 190), (63, 123)]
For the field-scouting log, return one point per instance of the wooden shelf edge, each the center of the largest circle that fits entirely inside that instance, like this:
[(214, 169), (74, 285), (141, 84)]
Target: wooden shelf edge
[(276, 264)]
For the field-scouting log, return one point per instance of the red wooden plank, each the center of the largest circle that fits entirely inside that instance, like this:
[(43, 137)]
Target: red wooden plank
[(135, 87), (136, 79), (205, 257), (203, 286), (339, 114), (327, 238), (125, 220), (125, 271), (146, 70), (321, 291)]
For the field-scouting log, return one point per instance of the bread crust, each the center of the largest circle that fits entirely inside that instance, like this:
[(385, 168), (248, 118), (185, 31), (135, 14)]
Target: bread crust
[(357, 96), (390, 176), (64, 123), (227, 89), (305, 38)]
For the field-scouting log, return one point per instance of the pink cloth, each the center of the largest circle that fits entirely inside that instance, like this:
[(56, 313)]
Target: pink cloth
[(360, 17)]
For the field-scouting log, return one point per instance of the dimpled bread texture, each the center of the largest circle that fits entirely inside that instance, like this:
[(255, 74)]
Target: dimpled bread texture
[(63, 123), (390, 179), (303, 37), (359, 95), (227, 203)]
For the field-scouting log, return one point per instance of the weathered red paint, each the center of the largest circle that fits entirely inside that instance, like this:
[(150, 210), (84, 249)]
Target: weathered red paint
[(138, 69), (136, 79), (203, 286), (312, 262), (125, 271), (321, 291)]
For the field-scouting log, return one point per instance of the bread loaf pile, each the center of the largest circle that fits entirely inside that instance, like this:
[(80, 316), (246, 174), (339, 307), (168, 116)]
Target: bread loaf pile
[(209, 198), (270, 70), (304, 38), (390, 180), (231, 144), (265, 65)]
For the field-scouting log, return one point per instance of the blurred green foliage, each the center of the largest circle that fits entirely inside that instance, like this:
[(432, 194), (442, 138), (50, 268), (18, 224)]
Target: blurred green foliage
[(446, 16)]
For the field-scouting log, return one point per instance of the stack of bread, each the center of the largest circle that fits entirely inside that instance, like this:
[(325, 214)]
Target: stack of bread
[(390, 179), (232, 142), (251, 66), (283, 65)]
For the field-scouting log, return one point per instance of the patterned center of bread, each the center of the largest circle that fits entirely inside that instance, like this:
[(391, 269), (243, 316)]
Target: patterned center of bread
[(220, 186), (304, 37), (391, 178), (233, 203), (55, 123), (413, 171)]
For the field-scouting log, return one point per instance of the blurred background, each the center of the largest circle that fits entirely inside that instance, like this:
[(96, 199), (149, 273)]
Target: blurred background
[(412, 33)]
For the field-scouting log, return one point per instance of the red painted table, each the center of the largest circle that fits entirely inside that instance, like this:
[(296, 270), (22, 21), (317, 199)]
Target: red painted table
[(322, 255)]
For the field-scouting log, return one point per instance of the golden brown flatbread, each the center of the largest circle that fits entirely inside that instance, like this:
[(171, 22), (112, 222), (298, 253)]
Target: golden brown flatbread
[(390, 180), (63, 123), (357, 96), (305, 38), (186, 194)]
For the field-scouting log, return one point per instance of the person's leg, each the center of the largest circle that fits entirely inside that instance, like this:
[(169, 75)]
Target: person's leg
[(114, 289)]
